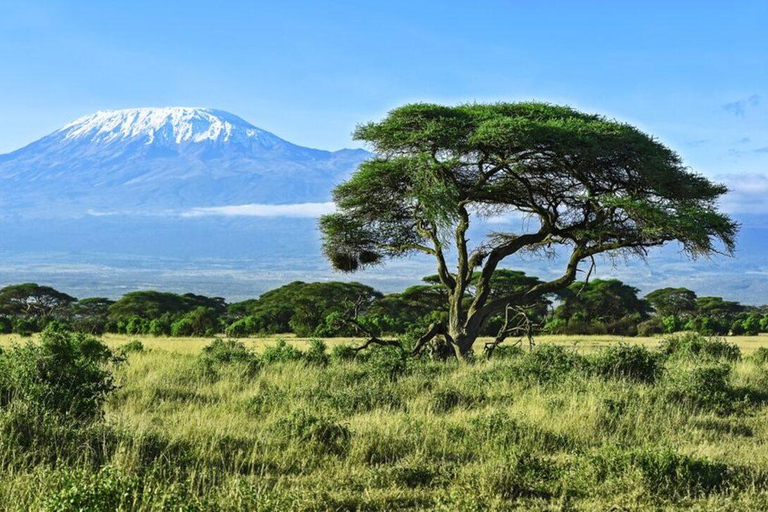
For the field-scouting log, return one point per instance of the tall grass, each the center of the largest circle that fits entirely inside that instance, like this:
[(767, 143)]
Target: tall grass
[(227, 429)]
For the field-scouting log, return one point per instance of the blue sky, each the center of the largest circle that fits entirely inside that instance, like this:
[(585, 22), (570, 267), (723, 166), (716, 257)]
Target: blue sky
[(693, 73)]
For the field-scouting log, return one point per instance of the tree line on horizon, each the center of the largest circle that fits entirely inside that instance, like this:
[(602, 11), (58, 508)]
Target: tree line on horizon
[(327, 309)]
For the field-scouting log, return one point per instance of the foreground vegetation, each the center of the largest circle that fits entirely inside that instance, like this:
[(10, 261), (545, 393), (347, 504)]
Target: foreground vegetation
[(678, 425)]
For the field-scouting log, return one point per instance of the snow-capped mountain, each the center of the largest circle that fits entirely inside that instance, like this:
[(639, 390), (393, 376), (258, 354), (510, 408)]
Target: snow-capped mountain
[(150, 160)]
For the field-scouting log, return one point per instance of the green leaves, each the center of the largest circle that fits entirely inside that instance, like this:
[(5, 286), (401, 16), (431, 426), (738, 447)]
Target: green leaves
[(589, 183)]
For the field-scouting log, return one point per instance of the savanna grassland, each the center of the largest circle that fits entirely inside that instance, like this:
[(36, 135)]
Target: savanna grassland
[(578, 423)]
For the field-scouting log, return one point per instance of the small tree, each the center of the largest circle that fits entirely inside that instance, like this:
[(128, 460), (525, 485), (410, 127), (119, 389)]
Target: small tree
[(588, 184)]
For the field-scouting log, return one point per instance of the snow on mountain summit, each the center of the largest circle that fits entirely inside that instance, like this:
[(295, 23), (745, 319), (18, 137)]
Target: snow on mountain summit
[(160, 159), (169, 125)]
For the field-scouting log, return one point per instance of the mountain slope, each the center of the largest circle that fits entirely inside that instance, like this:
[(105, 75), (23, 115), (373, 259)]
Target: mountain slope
[(151, 160)]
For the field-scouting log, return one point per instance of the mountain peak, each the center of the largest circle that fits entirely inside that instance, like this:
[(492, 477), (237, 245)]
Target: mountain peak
[(166, 125)]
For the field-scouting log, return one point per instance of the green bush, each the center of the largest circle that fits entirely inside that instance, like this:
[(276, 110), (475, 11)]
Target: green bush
[(651, 327), (547, 363), (760, 356), (630, 362), (316, 433), (507, 352), (65, 373), (105, 490), (6, 325), (317, 352), (280, 352), (343, 353), (695, 347), (24, 326), (220, 353), (703, 385), (386, 362), (132, 347), (663, 471), (242, 328)]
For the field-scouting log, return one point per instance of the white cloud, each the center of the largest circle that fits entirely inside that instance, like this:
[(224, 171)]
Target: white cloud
[(305, 210), (748, 193)]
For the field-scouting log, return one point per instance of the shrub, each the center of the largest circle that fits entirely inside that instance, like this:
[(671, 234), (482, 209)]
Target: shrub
[(280, 352), (159, 327), (445, 400), (343, 353), (228, 352), (319, 434), (6, 325), (317, 352), (24, 326), (507, 352), (760, 356), (386, 362), (630, 362), (105, 490), (706, 386), (665, 472), (65, 374), (695, 346), (547, 363), (132, 347), (241, 328), (651, 327), (182, 327)]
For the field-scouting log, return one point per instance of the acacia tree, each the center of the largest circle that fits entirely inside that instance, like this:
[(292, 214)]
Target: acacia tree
[(31, 299), (589, 185)]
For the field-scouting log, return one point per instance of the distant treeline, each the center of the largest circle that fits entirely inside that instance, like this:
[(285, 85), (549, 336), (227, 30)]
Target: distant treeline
[(347, 309)]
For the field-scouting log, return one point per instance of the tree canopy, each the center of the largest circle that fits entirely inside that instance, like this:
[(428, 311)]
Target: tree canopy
[(673, 301), (590, 185), (32, 299)]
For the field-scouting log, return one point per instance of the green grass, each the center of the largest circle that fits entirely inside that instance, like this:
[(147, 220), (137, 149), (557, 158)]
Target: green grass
[(505, 434)]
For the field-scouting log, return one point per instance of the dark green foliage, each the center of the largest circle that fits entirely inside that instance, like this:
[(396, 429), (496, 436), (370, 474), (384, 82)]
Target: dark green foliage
[(87, 491), (162, 313), (24, 326), (280, 352), (385, 362), (601, 307), (673, 301), (319, 434), (548, 363), (664, 471), (508, 352), (64, 374), (91, 315), (132, 347), (695, 346), (630, 362), (704, 385), (343, 353), (445, 400), (524, 475), (591, 186), (221, 353), (317, 353), (301, 308), (651, 327), (760, 355), (201, 321), (6, 325), (32, 300)]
